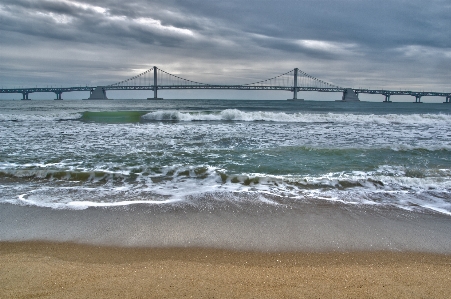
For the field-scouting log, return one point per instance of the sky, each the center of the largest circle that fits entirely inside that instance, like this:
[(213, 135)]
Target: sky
[(397, 44)]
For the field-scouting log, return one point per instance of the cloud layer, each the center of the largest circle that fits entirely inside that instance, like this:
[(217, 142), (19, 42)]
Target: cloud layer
[(392, 44)]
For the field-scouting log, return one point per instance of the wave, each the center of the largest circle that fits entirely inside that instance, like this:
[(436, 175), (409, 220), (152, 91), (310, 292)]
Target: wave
[(39, 117), (112, 116), (238, 115), (341, 180), (232, 115), (62, 175), (185, 185)]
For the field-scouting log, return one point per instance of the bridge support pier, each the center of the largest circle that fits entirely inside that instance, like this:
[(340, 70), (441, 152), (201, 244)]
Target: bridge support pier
[(387, 98), (448, 100), (58, 95), (25, 96), (97, 94), (418, 98), (155, 85), (349, 95)]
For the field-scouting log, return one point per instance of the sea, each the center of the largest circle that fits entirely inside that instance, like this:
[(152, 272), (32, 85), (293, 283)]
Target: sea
[(208, 156)]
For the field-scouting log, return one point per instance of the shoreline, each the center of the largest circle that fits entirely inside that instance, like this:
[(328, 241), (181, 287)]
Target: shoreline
[(70, 270), (307, 227)]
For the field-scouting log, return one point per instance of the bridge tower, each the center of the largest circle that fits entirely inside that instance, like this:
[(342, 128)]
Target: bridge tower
[(155, 85), (295, 86), (448, 99)]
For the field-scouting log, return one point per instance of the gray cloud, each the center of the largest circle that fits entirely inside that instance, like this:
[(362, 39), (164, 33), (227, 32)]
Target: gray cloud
[(349, 42)]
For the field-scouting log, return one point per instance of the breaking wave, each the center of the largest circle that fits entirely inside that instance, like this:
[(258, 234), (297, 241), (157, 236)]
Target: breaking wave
[(186, 185), (238, 115)]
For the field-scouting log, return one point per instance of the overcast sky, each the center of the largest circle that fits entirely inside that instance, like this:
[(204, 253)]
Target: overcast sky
[(397, 44)]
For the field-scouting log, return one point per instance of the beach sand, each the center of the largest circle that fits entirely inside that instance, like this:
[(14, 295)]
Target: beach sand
[(313, 251), (68, 270)]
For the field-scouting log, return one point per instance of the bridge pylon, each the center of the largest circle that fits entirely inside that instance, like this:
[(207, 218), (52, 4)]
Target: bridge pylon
[(295, 86), (155, 85)]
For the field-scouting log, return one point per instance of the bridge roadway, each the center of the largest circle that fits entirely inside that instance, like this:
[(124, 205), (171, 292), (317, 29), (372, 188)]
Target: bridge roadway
[(387, 93)]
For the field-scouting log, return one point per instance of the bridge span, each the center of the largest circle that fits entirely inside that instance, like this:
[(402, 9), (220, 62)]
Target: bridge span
[(293, 81)]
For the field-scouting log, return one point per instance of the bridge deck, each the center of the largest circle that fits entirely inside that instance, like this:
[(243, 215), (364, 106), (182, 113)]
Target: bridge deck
[(225, 87)]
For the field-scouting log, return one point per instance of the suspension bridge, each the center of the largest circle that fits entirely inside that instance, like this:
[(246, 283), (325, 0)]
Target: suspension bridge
[(294, 81)]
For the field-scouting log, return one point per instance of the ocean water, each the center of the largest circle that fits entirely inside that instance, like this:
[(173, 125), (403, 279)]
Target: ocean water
[(206, 154)]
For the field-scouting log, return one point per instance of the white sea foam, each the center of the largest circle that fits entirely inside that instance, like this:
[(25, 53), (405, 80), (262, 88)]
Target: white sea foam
[(341, 118), (238, 115), (182, 186)]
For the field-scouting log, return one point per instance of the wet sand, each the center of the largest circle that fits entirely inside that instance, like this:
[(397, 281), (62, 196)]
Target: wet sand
[(68, 270), (305, 228)]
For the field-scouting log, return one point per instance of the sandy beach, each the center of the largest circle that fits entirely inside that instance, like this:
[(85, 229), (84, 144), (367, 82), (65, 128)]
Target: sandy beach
[(67, 270), (316, 251)]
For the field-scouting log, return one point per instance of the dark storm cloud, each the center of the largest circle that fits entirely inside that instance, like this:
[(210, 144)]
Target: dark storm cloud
[(66, 21), (372, 24), (331, 38)]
